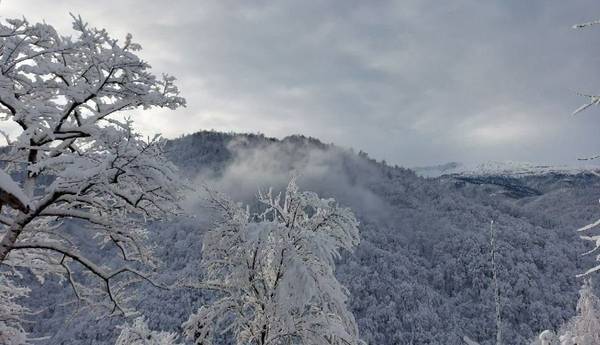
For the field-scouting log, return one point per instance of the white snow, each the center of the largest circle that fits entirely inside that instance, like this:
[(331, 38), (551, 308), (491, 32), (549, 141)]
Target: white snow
[(9, 186)]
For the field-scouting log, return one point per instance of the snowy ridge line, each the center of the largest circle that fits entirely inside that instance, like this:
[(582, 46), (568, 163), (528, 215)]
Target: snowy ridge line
[(517, 169), (508, 168)]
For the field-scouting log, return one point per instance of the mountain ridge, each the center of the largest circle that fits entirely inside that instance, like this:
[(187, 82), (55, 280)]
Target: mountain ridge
[(505, 168)]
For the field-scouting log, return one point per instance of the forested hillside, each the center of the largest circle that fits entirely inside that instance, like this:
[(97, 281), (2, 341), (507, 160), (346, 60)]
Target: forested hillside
[(421, 274)]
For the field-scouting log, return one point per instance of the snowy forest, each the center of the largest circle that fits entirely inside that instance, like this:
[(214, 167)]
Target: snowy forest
[(111, 236)]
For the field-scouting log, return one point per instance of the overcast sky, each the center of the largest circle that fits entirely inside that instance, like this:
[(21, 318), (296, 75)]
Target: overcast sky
[(415, 82)]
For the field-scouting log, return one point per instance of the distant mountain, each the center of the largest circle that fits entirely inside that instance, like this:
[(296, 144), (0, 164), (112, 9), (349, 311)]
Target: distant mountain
[(509, 177), (438, 170), (507, 168), (421, 274)]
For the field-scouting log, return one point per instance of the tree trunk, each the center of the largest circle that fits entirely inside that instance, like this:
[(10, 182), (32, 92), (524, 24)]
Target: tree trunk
[(10, 238), (496, 289), (263, 335)]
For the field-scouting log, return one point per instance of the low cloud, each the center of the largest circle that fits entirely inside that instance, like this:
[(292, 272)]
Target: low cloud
[(333, 171)]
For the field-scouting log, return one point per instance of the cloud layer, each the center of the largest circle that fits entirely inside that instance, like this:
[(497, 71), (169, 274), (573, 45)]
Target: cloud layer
[(332, 171), (414, 82)]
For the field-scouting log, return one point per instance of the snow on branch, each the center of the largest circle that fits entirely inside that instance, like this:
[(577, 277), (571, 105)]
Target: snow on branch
[(593, 100), (100, 272), (11, 194), (585, 25)]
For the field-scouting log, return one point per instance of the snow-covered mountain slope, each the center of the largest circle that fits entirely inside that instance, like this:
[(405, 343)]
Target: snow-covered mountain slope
[(421, 274)]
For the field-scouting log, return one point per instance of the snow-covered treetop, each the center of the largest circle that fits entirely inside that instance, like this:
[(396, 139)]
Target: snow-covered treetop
[(307, 216), (73, 83), (275, 272)]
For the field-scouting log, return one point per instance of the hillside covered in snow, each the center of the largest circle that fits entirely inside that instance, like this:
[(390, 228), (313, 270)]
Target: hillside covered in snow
[(421, 274)]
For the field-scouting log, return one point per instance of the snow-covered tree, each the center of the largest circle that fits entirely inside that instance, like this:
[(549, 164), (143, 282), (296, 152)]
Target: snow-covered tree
[(495, 282), (138, 333), (584, 328), (273, 273), (593, 100), (76, 157)]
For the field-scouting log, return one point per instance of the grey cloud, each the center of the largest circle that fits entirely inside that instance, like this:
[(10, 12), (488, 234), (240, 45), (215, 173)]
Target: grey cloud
[(413, 82)]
